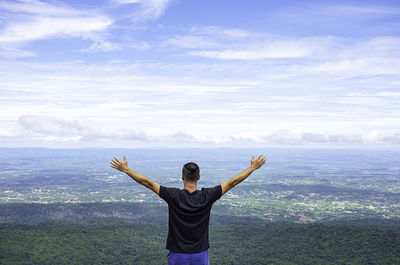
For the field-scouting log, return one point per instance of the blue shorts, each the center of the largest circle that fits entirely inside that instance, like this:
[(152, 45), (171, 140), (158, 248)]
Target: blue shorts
[(200, 258)]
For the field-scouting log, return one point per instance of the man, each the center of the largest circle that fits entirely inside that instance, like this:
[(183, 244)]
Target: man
[(188, 209)]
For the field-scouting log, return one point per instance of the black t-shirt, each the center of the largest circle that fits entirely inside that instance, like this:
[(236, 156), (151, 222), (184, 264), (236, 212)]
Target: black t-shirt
[(189, 215)]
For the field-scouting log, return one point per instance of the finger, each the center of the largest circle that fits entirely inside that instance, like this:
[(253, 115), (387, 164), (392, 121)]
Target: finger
[(114, 164), (117, 159), (259, 157), (124, 159), (252, 158)]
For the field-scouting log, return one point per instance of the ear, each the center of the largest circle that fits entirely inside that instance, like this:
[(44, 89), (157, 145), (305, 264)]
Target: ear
[(183, 178)]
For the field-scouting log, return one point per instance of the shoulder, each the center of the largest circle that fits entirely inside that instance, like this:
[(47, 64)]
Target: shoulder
[(168, 192), (169, 188), (215, 192), (216, 188)]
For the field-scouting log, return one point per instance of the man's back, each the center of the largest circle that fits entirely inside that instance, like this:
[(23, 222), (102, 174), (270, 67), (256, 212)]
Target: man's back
[(189, 215), (189, 209)]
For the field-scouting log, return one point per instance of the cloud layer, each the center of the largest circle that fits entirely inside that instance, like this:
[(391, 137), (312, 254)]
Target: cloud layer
[(48, 129), (163, 73)]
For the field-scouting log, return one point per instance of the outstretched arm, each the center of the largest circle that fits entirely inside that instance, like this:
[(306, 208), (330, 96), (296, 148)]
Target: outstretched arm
[(255, 164), (145, 181)]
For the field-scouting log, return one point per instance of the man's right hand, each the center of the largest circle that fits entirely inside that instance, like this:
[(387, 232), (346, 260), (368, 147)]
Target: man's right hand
[(257, 163), (120, 165)]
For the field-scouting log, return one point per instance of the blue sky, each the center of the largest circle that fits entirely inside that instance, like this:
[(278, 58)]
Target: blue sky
[(160, 73)]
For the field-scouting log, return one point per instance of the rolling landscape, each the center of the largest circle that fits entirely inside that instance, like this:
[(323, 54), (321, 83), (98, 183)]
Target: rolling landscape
[(313, 197)]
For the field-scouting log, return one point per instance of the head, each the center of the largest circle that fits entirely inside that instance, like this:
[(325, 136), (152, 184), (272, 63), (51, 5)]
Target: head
[(190, 172)]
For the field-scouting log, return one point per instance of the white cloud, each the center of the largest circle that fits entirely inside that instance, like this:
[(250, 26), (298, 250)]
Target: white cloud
[(360, 10), (141, 46), (12, 52), (102, 46), (216, 109), (151, 9), (310, 55), (39, 8), (231, 44), (48, 127), (190, 137), (224, 33), (5, 133), (124, 2), (383, 137), (147, 9), (257, 84), (267, 51), (28, 21), (191, 42), (290, 137), (54, 129), (45, 27)]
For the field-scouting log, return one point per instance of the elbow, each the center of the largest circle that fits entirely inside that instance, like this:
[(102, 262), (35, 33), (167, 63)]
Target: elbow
[(233, 184), (146, 184)]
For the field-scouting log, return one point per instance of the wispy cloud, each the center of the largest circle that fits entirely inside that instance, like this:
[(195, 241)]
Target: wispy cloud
[(151, 9), (146, 9), (274, 50), (102, 46), (28, 21), (239, 44), (357, 10), (41, 8), (12, 52), (37, 28), (32, 20)]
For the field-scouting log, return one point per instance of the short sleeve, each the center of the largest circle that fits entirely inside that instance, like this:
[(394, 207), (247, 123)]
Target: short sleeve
[(218, 192), (214, 193), (167, 194)]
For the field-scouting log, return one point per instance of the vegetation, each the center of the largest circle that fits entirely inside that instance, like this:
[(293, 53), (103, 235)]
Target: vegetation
[(107, 213), (152, 213), (51, 243)]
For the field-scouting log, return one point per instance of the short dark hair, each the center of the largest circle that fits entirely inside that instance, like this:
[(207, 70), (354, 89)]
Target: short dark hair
[(191, 171)]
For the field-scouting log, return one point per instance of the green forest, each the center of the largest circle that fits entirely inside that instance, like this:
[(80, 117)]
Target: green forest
[(62, 243)]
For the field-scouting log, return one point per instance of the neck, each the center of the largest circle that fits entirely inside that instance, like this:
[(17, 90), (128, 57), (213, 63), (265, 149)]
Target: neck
[(190, 186)]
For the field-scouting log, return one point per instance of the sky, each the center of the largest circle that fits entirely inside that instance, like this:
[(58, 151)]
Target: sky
[(182, 73)]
